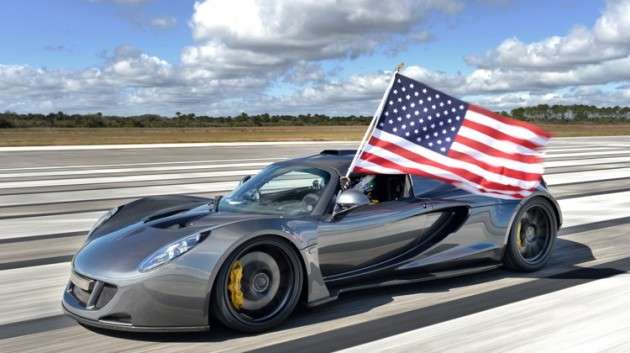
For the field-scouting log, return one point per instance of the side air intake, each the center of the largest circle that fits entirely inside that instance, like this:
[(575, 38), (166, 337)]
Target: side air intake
[(338, 152)]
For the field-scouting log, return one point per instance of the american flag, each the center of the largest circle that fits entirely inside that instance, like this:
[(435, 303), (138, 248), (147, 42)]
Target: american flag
[(422, 131)]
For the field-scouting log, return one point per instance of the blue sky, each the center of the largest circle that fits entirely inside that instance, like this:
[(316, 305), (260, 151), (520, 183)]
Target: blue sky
[(217, 57)]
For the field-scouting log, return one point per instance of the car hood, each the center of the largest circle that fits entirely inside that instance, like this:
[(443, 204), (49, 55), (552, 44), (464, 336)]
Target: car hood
[(116, 248)]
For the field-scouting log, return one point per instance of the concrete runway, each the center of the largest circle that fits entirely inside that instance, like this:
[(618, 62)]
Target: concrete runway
[(49, 197)]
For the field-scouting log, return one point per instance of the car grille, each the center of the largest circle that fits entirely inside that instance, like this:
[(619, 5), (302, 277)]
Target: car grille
[(90, 293)]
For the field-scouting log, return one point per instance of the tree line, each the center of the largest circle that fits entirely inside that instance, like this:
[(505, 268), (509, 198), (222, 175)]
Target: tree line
[(543, 112), (98, 120)]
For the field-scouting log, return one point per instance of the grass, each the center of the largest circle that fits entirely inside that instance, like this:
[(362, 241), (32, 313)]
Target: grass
[(81, 136)]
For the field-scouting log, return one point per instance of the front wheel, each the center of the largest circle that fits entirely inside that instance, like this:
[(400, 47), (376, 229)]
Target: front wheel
[(258, 286), (532, 237)]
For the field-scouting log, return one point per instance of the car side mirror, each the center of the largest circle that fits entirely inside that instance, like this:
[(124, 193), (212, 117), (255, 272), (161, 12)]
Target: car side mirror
[(244, 179), (349, 200)]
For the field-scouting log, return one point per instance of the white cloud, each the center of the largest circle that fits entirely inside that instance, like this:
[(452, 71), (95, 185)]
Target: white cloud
[(130, 81), (609, 39), (242, 49), (556, 69), (253, 36), (163, 22)]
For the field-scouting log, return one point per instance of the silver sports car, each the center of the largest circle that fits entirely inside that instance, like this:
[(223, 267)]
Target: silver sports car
[(289, 235)]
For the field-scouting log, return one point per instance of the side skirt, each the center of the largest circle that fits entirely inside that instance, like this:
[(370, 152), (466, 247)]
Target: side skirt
[(407, 279)]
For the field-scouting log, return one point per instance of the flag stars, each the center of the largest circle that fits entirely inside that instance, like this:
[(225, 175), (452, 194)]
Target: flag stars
[(422, 115)]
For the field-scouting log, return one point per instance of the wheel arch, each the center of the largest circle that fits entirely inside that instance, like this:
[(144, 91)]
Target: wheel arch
[(554, 205), (313, 288)]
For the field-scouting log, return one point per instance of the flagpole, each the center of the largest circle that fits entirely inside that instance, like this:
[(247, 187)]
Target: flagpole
[(372, 125)]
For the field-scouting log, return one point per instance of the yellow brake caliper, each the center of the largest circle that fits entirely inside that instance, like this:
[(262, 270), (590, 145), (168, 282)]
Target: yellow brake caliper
[(234, 285), (519, 236)]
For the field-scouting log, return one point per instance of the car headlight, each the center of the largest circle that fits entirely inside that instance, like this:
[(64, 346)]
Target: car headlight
[(103, 218), (171, 251)]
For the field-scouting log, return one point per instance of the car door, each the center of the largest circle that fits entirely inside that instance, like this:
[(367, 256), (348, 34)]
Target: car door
[(371, 234)]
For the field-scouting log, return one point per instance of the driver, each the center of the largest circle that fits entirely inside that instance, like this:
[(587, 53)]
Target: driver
[(367, 184)]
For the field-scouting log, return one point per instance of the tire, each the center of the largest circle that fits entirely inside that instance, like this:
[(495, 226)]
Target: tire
[(532, 237), (270, 292)]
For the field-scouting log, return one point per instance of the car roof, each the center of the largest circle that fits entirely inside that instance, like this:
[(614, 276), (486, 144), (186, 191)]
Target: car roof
[(338, 160)]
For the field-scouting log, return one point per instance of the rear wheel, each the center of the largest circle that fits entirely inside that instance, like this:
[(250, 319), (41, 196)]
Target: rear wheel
[(532, 236), (258, 286)]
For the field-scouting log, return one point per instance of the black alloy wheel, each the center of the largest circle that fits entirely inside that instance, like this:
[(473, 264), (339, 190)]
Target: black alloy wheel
[(532, 236), (259, 285)]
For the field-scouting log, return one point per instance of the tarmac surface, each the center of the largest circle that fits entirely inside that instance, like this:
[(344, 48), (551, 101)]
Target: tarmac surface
[(50, 196)]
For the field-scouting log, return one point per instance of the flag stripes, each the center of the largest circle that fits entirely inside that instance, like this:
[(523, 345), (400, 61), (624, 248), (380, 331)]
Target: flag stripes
[(440, 137)]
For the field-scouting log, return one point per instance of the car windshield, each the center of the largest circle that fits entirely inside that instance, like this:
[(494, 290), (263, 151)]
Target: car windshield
[(278, 190)]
